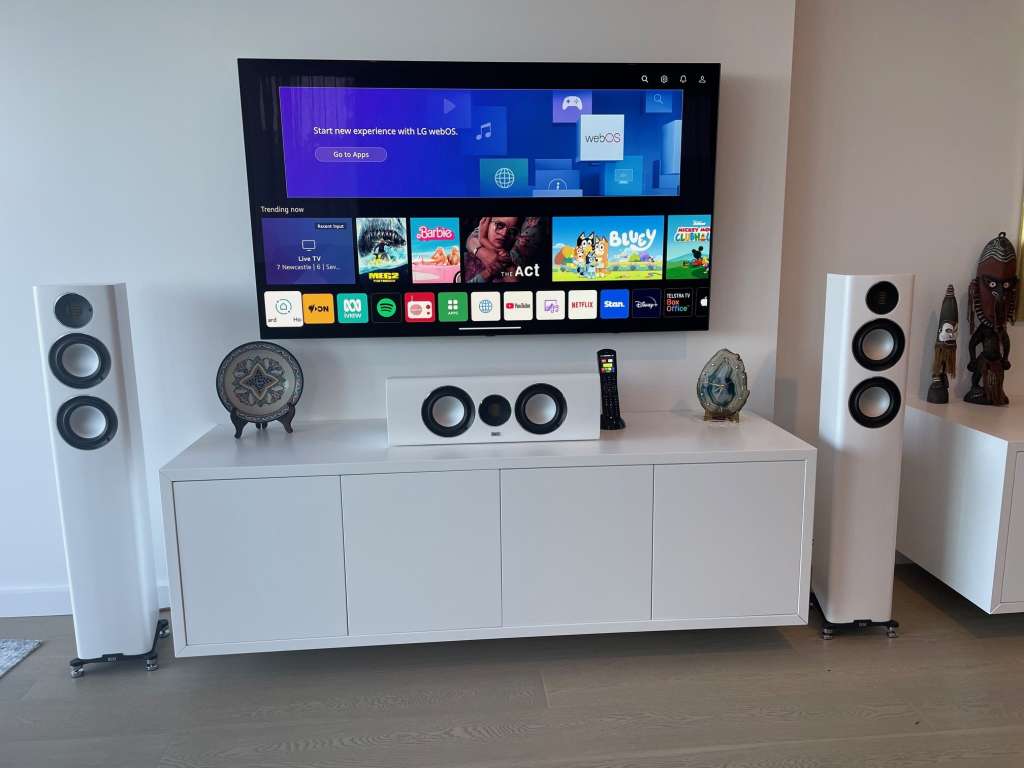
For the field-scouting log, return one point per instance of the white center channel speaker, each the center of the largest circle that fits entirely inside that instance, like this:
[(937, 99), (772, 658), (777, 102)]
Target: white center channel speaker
[(89, 371), (493, 409), (860, 444)]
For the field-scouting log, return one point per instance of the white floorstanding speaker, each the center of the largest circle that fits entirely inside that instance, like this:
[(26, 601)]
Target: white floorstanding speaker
[(493, 409), (92, 402), (860, 443)]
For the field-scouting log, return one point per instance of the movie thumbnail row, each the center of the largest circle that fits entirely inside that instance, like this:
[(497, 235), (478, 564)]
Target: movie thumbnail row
[(382, 251), (294, 309)]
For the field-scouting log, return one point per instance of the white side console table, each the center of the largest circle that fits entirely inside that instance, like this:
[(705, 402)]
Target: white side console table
[(329, 538), (962, 499)]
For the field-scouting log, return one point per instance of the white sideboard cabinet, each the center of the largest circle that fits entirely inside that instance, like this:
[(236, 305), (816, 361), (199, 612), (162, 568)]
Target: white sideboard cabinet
[(962, 499), (329, 538)]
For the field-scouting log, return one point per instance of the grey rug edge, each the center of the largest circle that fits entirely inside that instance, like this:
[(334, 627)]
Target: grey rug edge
[(13, 652)]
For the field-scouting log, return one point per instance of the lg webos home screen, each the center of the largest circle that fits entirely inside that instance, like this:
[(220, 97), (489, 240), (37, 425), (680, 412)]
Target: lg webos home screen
[(414, 199)]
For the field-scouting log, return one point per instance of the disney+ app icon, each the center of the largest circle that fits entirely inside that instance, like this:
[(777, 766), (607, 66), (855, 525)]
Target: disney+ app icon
[(645, 302)]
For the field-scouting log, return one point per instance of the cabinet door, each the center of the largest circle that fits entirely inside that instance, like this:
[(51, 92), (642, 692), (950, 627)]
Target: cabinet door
[(575, 545), (422, 551), (1013, 567), (727, 539), (261, 559)]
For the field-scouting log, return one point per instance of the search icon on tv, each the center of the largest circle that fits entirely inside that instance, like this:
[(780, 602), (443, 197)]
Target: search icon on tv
[(658, 101), (643, 78)]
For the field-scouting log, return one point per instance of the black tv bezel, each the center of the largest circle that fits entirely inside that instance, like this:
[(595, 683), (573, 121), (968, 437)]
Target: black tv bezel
[(258, 83)]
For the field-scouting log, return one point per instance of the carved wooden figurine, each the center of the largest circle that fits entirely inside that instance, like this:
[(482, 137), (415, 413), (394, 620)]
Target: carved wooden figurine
[(993, 298), (944, 359)]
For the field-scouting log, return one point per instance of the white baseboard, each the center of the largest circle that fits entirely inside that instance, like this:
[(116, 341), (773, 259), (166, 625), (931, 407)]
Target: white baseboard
[(49, 601)]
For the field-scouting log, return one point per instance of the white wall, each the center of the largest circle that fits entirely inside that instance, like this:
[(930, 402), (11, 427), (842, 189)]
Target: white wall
[(122, 160), (906, 154)]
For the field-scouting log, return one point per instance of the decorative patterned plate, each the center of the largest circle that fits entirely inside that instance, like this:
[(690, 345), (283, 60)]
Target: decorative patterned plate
[(260, 381)]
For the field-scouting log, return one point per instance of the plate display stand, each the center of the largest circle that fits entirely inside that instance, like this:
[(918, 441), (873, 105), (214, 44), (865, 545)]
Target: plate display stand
[(239, 421)]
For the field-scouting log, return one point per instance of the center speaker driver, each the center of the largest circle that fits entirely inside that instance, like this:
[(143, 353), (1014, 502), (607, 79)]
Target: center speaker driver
[(493, 409), (860, 444)]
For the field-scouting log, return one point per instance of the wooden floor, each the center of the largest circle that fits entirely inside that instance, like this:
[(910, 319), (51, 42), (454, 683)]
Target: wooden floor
[(949, 692)]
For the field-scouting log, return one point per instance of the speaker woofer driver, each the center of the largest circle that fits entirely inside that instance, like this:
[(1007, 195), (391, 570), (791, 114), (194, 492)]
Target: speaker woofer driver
[(86, 423), (79, 360), (448, 411), (878, 344), (875, 402), (541, 409)]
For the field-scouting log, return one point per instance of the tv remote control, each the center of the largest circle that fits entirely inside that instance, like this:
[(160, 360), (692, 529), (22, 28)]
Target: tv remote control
[(608, 370)]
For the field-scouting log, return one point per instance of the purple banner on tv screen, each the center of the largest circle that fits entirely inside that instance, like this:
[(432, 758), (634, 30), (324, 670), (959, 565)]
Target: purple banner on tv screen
[(426, 142)]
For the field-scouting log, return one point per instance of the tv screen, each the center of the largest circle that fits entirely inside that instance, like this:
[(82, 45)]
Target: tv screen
[(463, 199)]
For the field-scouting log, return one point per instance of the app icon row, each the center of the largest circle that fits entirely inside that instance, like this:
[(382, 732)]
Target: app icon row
[(294, 309)]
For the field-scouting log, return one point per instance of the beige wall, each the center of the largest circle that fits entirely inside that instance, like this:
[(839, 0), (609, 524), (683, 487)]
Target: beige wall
[(126, 164), (906, 154)]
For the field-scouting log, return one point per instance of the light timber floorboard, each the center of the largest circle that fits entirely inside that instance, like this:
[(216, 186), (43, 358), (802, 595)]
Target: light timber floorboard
[(949, 691)]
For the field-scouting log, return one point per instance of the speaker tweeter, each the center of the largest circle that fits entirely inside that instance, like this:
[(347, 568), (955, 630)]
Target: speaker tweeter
[(73, 310), (882, 297), (495, 410)]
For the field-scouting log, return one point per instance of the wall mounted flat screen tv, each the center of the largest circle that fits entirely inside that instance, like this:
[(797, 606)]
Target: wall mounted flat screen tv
[(462, 199)]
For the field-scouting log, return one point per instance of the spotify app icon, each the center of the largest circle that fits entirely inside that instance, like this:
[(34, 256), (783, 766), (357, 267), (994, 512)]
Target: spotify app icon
[(386, 307)]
